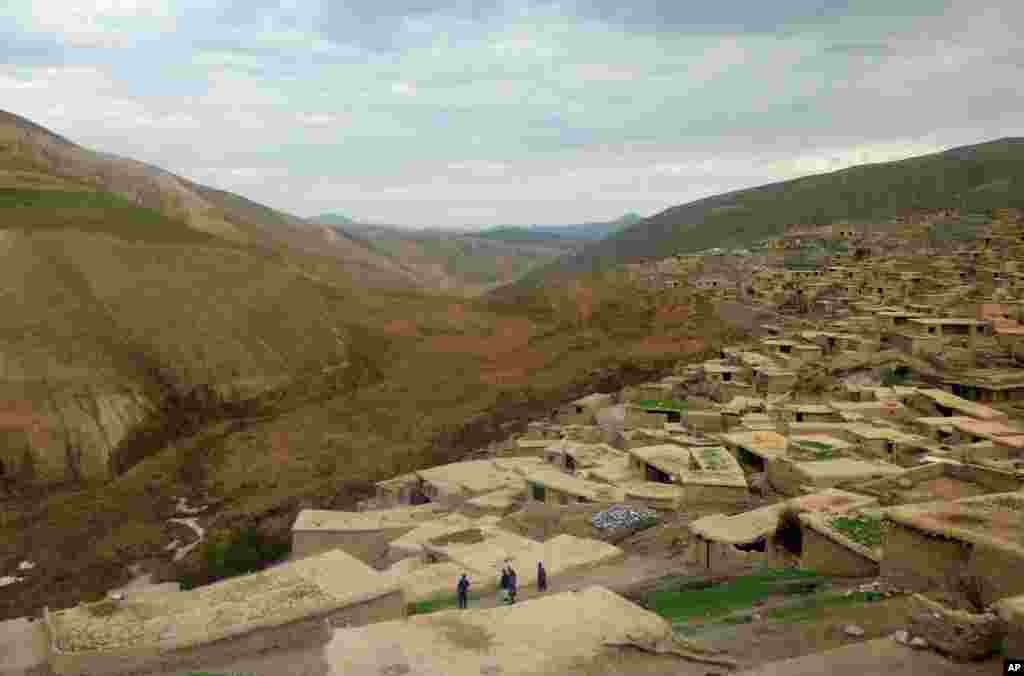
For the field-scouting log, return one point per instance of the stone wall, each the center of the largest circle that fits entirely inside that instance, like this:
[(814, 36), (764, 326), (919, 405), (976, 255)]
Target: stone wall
[(152, 661), (827, 557), (367, 546)]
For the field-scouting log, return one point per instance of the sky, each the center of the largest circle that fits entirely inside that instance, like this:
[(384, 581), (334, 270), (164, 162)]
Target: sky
[(455, 113)]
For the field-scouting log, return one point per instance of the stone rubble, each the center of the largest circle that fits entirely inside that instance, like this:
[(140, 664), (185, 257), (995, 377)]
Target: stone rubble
[(620, 517)]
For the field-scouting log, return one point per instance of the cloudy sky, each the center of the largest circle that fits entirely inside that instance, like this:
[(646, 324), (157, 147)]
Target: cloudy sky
[(453, 112)]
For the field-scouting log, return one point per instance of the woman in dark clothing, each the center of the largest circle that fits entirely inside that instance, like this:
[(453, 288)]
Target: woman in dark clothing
[(512, 586), (503, 587), (542, 577), (463, 591)]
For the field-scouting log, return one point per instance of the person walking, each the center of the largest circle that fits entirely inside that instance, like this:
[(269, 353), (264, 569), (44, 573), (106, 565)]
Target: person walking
[(542, 577), (512, 586), (463, 591), (503, 586)]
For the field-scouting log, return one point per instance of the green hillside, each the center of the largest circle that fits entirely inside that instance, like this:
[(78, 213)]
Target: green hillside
[(94, 212), (972, 178)]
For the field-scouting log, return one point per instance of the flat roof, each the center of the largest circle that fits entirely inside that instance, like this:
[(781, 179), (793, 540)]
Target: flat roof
[(822, 523), (846, 469), (763, 443), (940, 421), (451, 523), (989, 378), (757, 523), (377, 519), (956, 403), (988, 429), (475, 477), (572, 485), (669, 458), (826, 439), (808, 408), (947, 321), (538, 636), (307, 587), (595, 399), (992, 519)]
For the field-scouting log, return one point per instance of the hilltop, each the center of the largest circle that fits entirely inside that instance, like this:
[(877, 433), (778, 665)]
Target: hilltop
[(972, 178)]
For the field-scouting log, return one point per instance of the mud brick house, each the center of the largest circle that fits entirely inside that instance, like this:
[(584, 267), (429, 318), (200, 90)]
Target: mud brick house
[(946, 545), (292, 605), (988, 386), (662, 463), (888, 443), (828, 549), (928, 335), (791, 476), (573, 456), (971, 430), (555, 487), (704, 420), (584, 411), (881, 409), (755, 448), (363, 535), (935, 402), (807, 413), (721, 542), (773, 380), (453, 484)]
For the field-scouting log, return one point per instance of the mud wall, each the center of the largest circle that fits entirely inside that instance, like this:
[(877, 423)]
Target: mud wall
[(367, 546), (917, 561), (827, 557)]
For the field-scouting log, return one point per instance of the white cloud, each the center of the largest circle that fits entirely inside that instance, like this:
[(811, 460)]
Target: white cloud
[(403, 89)]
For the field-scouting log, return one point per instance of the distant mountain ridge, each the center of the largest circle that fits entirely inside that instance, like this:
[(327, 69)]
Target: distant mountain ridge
[(972, 178), (591, 231)]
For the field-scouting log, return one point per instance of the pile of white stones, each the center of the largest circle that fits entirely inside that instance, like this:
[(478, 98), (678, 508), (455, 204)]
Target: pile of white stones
[(620, 517)]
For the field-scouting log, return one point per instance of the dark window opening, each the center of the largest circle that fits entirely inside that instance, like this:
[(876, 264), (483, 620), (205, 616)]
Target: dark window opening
[(727, 377), (655, 474), (799, 417), (579, 409), (757, 545), (582, 499), (570, 463), (747, 458), (785, 349), (537, 492)]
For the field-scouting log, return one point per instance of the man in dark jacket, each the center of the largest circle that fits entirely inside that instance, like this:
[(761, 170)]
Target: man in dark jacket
[(542, 577), (463, 589)]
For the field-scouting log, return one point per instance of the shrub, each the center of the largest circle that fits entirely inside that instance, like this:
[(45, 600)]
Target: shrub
[(246, 552)]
